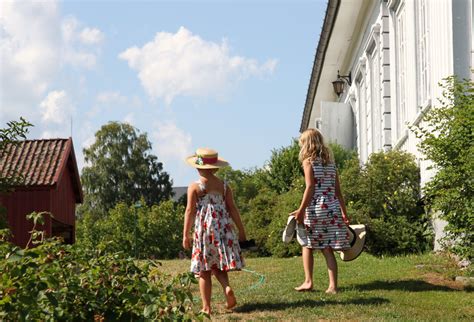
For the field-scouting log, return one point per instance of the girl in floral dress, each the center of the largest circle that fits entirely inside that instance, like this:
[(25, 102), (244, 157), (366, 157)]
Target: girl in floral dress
[(215, 246), (322, 209)]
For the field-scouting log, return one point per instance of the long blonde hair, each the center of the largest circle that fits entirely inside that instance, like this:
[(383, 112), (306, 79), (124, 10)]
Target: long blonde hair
[(312, 147)]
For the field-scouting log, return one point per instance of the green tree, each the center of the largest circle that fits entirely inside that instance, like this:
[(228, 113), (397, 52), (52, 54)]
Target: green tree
[(447, 139), (283, 167), (245, 184), (122, 169)]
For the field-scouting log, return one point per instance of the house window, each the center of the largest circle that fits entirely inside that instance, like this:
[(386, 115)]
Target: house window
[(400, 42), (423, 61)]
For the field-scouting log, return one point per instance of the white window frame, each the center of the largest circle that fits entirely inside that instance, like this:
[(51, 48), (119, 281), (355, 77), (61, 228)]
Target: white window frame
[(401, 55), (422, 55)]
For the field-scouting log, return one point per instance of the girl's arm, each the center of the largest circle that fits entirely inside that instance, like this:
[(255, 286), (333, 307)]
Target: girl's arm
[(189, 216), (308, 191), (234, 213), (341, 200)]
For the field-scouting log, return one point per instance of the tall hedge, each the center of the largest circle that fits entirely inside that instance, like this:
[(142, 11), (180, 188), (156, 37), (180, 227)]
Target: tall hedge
[(385, 195)]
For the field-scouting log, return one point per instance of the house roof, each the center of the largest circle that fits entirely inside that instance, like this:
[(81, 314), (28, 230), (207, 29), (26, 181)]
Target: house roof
[(178, 192), (41, 163), (343, 30), (329, 20)]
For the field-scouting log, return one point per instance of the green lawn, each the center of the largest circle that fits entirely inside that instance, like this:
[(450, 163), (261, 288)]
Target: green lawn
[(393, 288)]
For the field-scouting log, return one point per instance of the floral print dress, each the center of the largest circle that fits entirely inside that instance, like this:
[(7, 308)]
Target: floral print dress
[(323, 219), (215, 245)]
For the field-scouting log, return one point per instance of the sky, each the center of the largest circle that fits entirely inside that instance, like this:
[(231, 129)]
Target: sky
[(229, 75)]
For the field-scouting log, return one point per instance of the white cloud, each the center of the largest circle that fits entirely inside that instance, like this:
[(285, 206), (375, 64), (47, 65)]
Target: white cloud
[(170, 142), (56, 108), (35, 43), (73, 39), (29, 53), (91, 36), (185, 64)]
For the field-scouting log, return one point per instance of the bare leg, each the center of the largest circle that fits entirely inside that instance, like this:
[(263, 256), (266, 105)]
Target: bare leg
[(308, 263), (223, 278), (332, 270), (205, 287)]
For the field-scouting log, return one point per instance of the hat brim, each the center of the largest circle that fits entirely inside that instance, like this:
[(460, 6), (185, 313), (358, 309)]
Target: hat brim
[(357, 244), (191, 160)]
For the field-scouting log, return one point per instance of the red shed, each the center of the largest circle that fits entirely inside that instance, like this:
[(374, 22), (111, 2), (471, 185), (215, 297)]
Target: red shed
[(51, 184)]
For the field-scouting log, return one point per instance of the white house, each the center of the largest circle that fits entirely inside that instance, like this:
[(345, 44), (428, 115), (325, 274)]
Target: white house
[(393, 54)]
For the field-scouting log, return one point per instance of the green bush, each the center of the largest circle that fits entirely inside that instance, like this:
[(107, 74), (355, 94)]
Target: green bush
[(447, 139), (53, 281), (286, 203), (341, 155), (384, 194), (139, 230)]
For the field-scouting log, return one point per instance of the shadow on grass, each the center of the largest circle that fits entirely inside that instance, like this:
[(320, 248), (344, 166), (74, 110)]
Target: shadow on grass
[(279, 306), (404, 285)]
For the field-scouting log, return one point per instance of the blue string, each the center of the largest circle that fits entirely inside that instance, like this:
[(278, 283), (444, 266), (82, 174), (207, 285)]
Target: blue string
[(260, 281)]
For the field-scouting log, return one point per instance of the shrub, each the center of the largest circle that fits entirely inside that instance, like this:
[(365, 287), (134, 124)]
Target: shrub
[(447, 139), (385, 195), (138, 230), (341, 155), (53, 281)]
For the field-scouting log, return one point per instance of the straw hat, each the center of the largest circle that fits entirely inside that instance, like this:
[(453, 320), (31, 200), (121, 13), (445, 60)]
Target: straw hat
[(357, 241), (206, 159)]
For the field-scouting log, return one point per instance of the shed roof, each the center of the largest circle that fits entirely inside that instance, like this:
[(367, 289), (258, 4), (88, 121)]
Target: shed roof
[(41, 163)]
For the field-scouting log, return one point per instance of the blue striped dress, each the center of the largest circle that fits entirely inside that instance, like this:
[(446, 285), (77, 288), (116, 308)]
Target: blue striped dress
[(323, 219)]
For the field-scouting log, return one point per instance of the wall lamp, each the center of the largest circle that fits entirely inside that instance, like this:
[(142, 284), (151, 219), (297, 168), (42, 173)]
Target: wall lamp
[(338, 84)]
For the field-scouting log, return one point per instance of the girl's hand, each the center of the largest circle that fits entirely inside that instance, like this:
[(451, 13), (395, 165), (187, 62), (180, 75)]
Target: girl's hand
[(299, 215), (344, 218), (186, 242), (242, 236)]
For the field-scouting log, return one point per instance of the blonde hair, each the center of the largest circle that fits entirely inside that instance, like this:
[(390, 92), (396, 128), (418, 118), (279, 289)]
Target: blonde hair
[(312, 147)]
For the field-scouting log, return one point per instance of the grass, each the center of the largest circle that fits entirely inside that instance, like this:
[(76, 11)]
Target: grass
[(416, 287)]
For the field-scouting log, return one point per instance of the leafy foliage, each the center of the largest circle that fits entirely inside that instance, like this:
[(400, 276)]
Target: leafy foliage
[(341, 155), (283, 168), (54, 281), (139, 230), (121, 169), (447, 139), (384, 194)]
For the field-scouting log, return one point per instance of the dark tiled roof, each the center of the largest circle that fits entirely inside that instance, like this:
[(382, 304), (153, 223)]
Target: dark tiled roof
[(41, 163), (38, 161), (178, 192)]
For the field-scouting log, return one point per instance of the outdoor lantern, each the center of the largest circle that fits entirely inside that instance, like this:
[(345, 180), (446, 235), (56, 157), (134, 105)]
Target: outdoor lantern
[(338, 84)]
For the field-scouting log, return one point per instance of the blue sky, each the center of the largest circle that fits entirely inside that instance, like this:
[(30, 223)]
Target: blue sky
[(231, 75)]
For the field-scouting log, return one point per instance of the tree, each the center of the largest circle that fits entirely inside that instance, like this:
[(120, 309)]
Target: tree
[(447, 139), (283, 167), (122, 169)]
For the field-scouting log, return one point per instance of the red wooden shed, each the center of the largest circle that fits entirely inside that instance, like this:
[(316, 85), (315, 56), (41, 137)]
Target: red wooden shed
[(51, 183)]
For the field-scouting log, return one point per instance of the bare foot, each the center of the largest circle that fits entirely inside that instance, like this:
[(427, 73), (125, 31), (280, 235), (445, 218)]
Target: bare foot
[(206, 311), (305, 287), (331, 291), (230, 297)]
